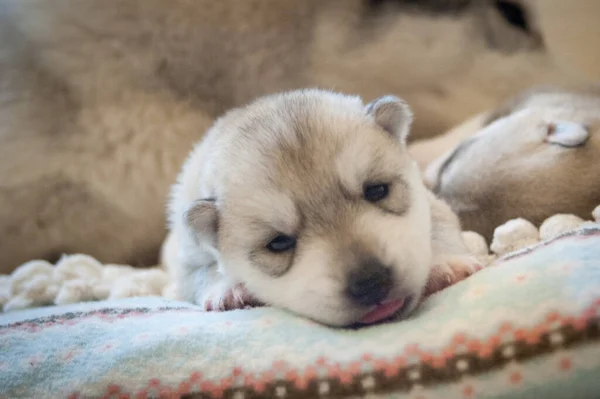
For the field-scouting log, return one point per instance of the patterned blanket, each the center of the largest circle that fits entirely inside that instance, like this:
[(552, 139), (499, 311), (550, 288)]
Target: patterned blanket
[(526, 327)]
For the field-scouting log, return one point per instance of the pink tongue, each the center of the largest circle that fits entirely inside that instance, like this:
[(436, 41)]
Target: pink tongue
[(382, 311)]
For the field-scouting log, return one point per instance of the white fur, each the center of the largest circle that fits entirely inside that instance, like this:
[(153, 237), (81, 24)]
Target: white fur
[(558, 224), (516, 233), (475, 243), (78, 278), (596, 214)]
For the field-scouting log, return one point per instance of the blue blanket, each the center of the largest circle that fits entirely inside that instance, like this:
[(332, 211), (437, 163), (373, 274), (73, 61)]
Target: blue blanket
[(527, 326)]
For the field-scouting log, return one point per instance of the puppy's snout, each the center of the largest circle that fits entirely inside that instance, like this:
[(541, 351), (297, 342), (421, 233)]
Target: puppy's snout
[(370, 284)]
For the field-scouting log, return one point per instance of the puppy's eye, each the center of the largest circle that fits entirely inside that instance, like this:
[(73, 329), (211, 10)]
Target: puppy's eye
[(281, 243), (376, 192)]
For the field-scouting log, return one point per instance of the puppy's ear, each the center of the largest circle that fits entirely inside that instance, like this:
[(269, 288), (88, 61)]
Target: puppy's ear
[(202, 217), (567, 134), (393, 115)]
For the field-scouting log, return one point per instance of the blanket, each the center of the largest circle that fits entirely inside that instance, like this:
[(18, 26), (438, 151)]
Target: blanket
[(528, 326)]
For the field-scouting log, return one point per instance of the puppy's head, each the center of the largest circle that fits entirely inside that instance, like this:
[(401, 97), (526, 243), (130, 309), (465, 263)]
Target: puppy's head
[(538, 156), (321, 211)]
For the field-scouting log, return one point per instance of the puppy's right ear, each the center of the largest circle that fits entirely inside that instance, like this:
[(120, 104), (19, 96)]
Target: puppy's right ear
[(393, 115), (202, 217)]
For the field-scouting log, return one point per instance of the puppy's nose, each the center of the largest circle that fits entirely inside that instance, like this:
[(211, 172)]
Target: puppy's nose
[(370, 284)]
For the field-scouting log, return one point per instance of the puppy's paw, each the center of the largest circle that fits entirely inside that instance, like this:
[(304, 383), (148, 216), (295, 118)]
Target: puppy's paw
[(450, 269), (225, 297)]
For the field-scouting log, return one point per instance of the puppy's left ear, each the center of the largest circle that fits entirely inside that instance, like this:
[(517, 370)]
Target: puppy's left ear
[(202, 218), (393, 115)]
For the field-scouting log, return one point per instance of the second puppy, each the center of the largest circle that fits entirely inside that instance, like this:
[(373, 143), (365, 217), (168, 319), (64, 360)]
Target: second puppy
[(309, 201)]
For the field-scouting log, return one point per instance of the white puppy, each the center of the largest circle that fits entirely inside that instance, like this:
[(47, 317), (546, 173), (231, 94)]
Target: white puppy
[(535, 156), (309, 201)]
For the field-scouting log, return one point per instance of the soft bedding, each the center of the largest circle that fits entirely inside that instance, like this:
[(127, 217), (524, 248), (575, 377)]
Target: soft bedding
[(525, 327)]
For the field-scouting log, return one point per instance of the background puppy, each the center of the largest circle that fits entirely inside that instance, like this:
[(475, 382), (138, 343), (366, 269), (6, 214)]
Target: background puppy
[(309, 201), (100, 100), (537, 156)]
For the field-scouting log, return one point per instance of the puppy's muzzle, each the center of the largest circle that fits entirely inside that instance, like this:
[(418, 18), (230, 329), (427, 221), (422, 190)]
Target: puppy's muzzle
[(370, 284)]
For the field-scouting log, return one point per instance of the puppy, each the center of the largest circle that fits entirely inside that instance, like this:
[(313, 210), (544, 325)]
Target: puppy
[(536, 156), (309, 201)]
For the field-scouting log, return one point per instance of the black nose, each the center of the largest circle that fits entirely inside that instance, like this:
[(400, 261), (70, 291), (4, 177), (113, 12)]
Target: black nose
[(370, 284)]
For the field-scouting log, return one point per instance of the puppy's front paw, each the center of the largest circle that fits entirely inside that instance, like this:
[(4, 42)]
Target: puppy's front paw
[(450, 269), (224, 297)]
